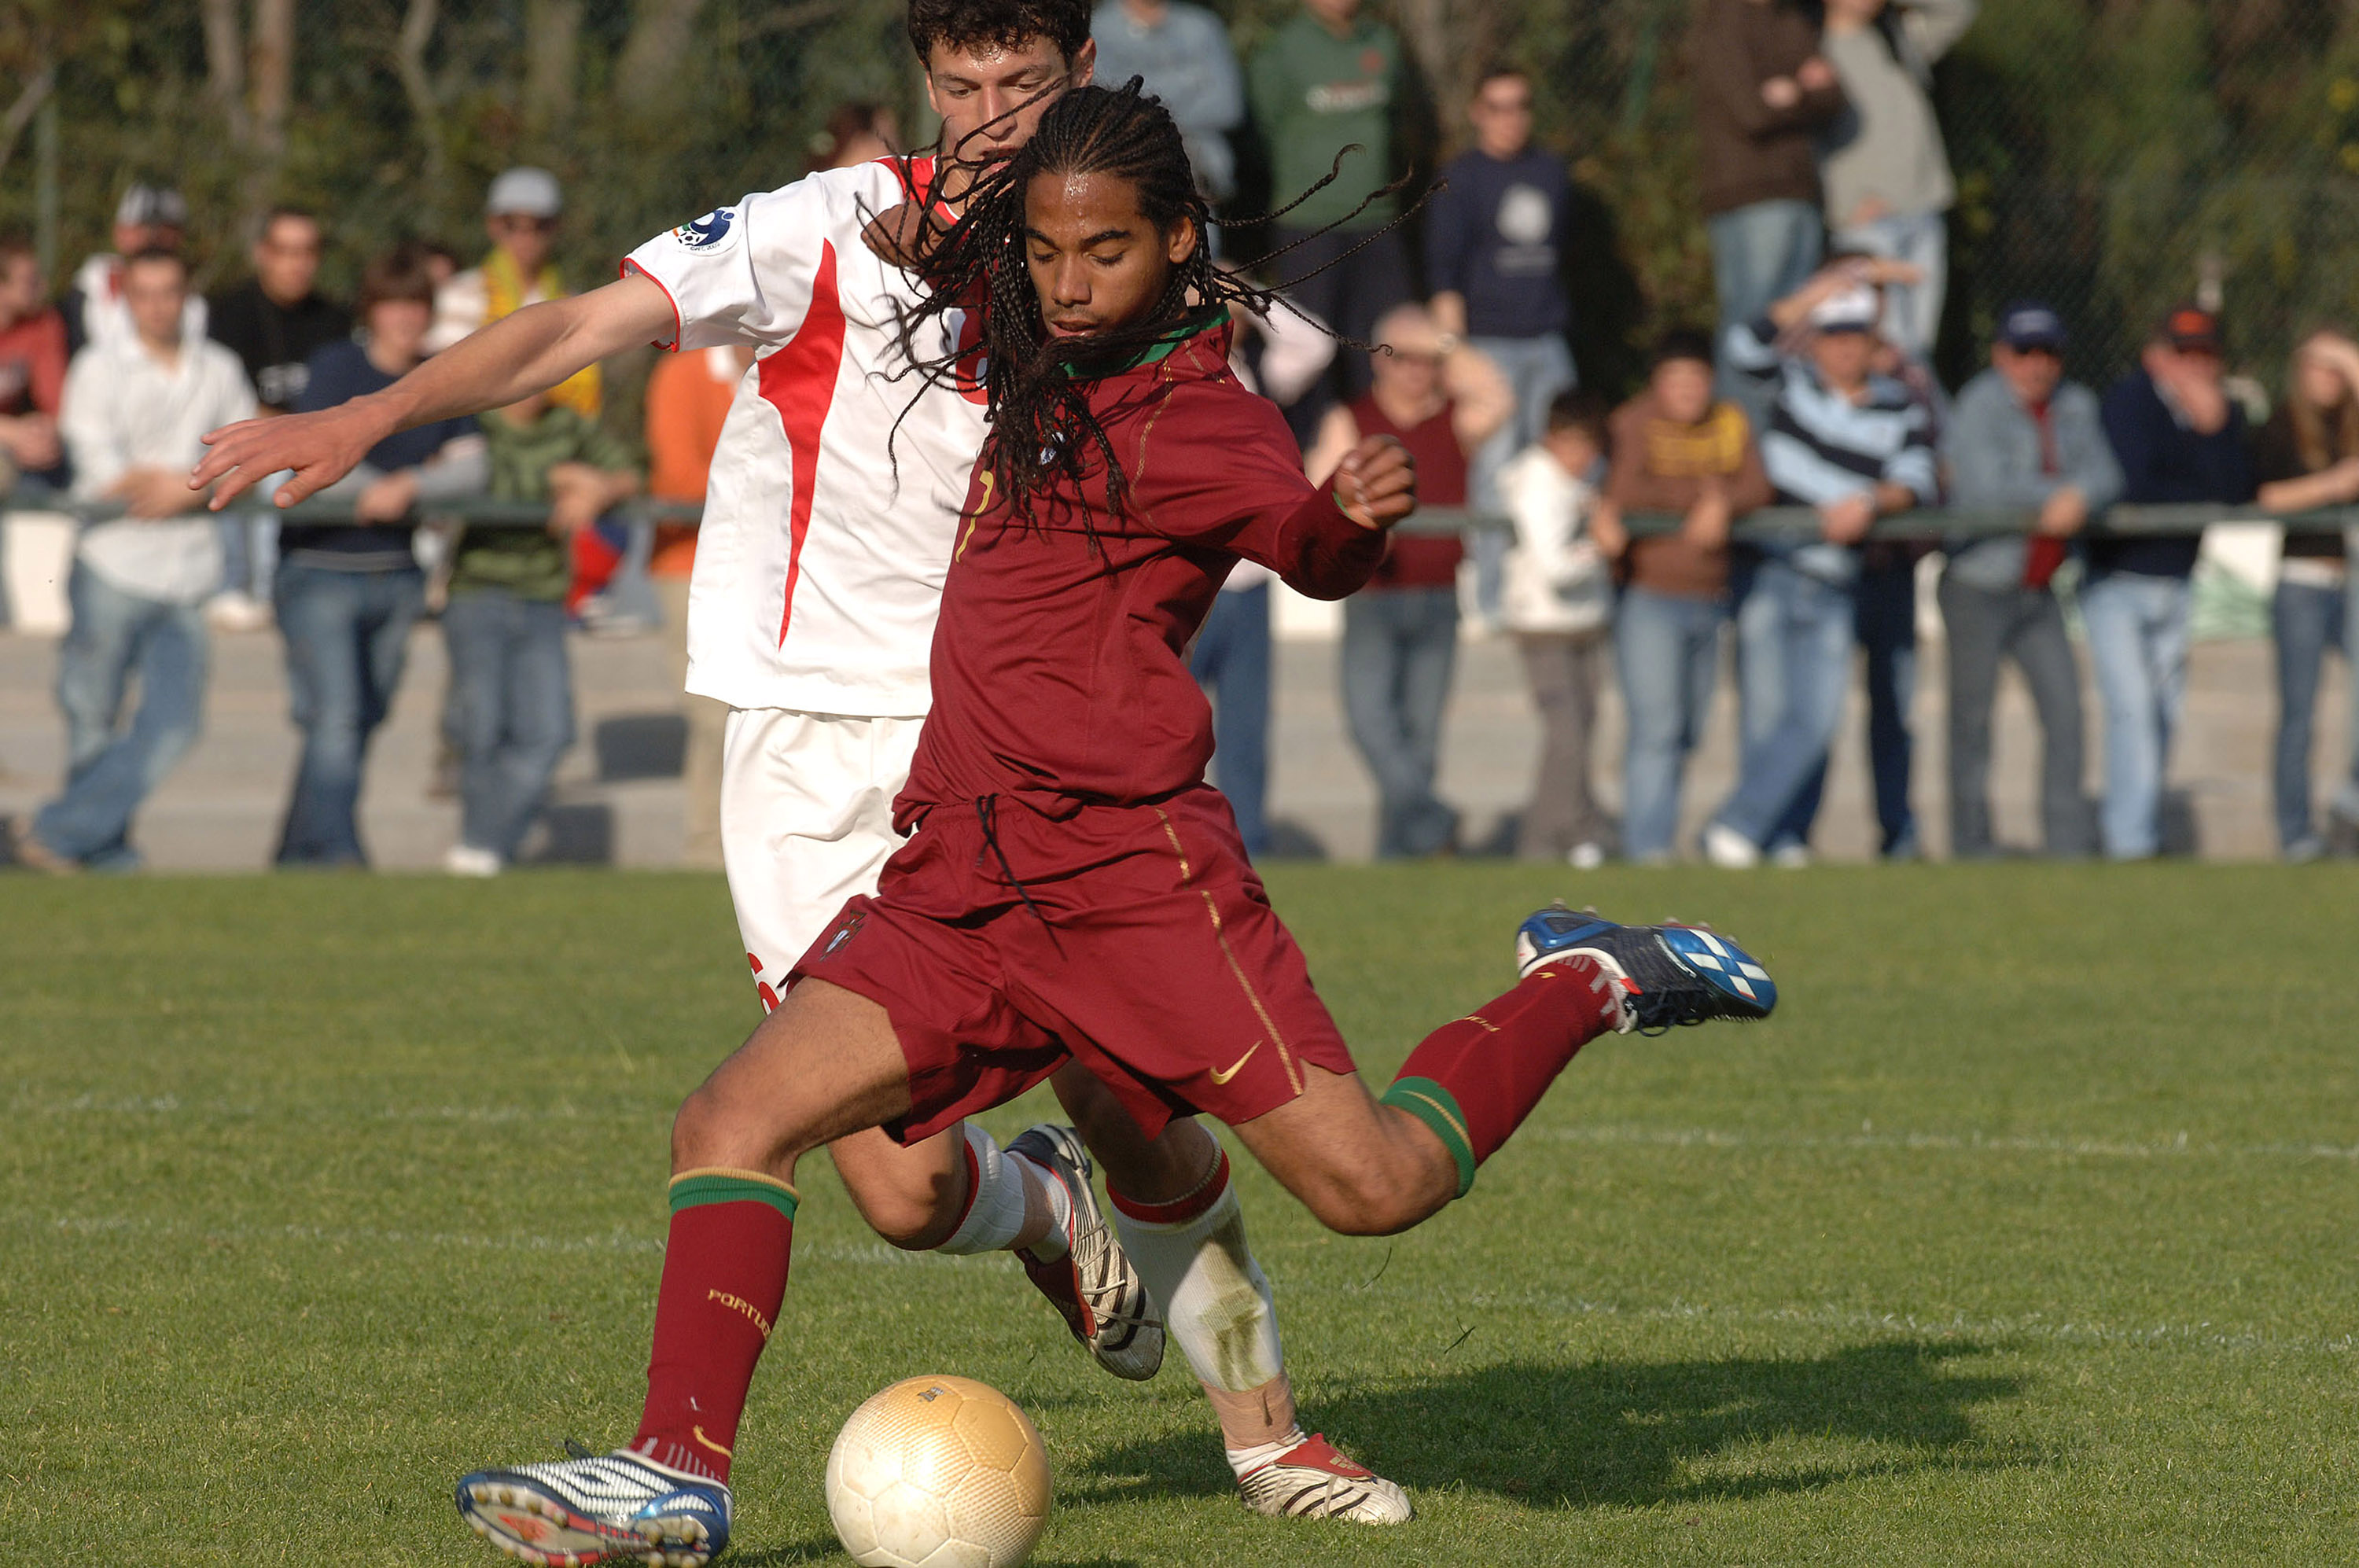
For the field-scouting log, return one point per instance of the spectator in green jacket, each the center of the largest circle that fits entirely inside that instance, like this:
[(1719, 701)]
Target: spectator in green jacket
[(1328, 79), (504, 625)]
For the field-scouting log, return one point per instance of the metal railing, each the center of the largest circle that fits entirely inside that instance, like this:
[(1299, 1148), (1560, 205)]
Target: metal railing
[(1767, 525)]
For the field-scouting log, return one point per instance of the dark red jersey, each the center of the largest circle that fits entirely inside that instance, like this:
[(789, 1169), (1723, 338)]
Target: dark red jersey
[(1058, 670)]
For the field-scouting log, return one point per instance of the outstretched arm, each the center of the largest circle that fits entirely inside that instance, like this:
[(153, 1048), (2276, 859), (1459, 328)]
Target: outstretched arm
[(516, 356)]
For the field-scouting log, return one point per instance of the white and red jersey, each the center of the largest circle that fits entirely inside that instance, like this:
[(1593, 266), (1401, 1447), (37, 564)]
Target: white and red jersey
[(819, 565)]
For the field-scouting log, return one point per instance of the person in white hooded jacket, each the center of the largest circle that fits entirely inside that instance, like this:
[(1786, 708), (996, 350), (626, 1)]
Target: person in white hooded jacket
[(1557, 599)]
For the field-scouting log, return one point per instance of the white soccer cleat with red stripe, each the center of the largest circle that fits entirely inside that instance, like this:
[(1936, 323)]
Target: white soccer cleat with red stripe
[(1314, 1480)]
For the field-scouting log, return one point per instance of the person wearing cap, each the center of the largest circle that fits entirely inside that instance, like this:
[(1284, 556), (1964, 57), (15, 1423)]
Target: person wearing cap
[(2181, 438), (520, 214), (2022, 439), (1855, 446), (149, 217)]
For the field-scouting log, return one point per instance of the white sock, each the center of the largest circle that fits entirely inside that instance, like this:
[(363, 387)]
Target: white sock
[(1241, 1460), (1216, 1301), (1045, 1192), (995, 1208)]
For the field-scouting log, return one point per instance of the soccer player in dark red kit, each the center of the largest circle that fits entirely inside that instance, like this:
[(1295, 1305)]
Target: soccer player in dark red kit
[(1072, 889)]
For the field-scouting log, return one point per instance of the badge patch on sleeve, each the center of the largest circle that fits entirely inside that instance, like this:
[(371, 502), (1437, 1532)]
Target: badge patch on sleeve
[(709, 232)]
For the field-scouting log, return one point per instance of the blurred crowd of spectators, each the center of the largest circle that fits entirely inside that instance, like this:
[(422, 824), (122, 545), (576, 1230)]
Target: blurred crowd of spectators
[(1824, 188)]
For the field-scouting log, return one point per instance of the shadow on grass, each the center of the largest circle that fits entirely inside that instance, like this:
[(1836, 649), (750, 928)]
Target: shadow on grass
[(1627, 1433), (818, 1548)]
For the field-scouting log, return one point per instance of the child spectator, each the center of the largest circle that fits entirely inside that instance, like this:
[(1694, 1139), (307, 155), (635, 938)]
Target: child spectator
[(1674, 450), (505, 626), (1557, 598)]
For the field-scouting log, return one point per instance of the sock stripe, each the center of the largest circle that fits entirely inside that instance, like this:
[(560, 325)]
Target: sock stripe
[(718, 1184), (1434, 1106), (1189, 1206)]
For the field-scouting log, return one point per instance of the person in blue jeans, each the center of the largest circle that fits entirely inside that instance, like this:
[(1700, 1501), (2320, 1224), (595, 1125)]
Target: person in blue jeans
[(132, 414), (1443, 401), (511, 682), (1673, 449), (2179, 438), (1855, 446), (2308, 457), (346, 594), (1494, 242), (1763, 92), (1231, 661)]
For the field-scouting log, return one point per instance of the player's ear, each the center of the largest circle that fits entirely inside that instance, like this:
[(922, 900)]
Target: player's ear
[(1084, 66), (1180, 241)]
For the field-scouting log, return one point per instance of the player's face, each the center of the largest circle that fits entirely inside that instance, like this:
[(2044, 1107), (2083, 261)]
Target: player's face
[(991, 98), (1097, 262)]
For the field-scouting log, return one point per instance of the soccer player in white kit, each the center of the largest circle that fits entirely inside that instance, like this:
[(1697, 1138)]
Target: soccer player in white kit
[(818, 569)]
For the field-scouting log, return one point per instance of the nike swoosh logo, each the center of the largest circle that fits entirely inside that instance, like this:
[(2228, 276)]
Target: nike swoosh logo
[(698, 1433), (1220, 1076)]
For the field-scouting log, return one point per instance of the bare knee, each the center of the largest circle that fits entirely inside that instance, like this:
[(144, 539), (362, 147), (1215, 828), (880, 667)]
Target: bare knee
[(1369, 1198), (912, 1197)]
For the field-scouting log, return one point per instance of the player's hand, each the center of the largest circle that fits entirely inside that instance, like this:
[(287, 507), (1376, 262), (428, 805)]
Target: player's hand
[(1377, 483), (1814, 74), (1781, 93), (321, 448)]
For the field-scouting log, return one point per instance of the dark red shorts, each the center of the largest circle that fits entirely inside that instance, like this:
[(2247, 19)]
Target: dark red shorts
[(1149, 952)]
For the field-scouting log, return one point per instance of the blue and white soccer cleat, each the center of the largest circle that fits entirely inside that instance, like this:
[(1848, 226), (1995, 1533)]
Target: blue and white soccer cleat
[(600, 1507), (1670, 975)]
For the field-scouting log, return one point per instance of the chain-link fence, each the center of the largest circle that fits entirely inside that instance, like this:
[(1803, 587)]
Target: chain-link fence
[(2112, 154)]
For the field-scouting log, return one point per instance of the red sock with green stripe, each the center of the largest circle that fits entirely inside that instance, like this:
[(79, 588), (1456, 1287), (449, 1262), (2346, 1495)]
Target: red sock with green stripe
[(1475, 1080), (724, 1274)]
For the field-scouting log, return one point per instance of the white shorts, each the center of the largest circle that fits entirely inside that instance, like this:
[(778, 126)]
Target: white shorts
[(805, 822)]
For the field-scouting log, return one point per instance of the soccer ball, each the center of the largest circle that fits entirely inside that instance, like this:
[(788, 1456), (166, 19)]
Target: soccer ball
[(938, 1473)]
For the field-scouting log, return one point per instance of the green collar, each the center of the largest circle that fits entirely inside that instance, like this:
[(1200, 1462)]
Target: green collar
[(1194, 324)]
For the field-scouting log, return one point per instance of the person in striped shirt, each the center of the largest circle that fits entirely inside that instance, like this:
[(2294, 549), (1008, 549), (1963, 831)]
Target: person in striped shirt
[(1855, 446)]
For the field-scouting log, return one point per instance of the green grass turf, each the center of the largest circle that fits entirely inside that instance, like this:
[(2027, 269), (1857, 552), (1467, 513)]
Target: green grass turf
[(2024, 1233)]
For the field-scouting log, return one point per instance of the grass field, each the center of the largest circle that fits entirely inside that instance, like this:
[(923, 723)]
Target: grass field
[(2029, 1231)]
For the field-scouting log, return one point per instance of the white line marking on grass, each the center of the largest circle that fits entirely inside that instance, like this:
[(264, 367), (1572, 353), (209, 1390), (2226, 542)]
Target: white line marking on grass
[(2177, 1147), (2200, 1338)]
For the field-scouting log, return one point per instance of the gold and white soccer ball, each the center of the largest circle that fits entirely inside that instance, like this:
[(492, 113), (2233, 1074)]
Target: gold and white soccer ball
[(938, 1473)]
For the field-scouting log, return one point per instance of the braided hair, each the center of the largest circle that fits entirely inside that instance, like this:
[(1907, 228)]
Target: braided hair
[(1036, 386)]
